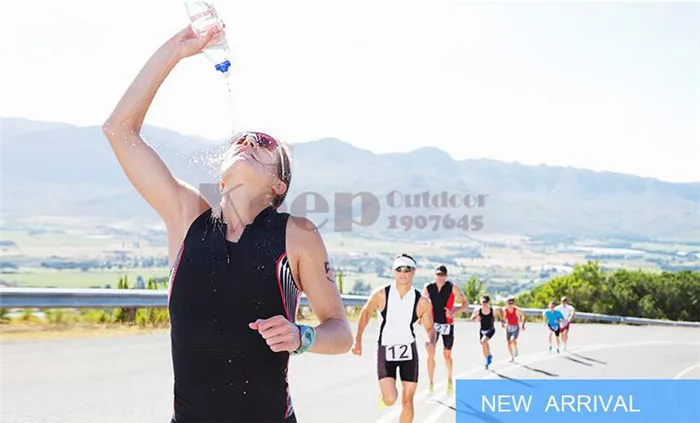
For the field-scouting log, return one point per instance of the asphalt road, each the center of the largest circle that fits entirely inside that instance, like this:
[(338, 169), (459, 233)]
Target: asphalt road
[(129, 379)]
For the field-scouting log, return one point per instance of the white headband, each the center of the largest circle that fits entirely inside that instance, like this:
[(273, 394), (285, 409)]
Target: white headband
[(403, 261)]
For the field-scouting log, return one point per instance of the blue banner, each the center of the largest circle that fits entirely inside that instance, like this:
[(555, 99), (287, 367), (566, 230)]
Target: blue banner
[(577, 401)]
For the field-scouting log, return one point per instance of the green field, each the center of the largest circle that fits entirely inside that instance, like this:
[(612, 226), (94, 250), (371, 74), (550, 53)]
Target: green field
[(507, 263), (78, 279)]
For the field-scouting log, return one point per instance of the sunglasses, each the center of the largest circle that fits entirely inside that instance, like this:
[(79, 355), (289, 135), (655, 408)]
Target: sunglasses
[(511, 302), (404, 269), (261, 140), (269, 143)]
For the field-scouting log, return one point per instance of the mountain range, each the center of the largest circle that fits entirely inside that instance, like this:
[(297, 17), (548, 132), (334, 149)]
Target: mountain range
[(57, 169)]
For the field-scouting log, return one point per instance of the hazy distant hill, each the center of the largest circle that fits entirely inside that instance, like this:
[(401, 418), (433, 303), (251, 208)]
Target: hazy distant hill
[(59, 169)]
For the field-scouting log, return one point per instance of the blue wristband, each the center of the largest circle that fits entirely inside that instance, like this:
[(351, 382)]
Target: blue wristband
[(308, 337)]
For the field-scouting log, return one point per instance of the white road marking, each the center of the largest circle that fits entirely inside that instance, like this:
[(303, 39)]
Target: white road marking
[(686, 371)]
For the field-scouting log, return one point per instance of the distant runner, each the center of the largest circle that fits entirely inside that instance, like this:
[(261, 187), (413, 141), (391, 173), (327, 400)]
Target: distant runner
[(568, 311), (401, 306), (513, 322), (442, 295), (485, 315), (553, 319)]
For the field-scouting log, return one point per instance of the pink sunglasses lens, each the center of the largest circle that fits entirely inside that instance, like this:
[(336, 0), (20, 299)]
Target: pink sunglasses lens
[(261, 139)]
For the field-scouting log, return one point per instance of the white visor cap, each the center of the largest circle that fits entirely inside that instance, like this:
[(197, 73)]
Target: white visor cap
[(403, 261)]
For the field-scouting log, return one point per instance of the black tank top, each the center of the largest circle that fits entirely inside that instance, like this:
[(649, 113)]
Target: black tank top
[(441, 299), (486, 319), (224, 371)]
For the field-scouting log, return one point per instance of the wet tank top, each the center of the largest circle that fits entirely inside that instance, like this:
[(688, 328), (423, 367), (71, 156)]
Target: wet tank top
[(224, 371)]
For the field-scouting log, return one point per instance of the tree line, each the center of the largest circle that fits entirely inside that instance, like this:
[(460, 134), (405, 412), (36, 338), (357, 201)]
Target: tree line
[(665, 295)]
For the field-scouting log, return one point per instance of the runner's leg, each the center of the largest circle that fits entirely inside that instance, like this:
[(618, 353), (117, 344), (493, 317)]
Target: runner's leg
[(387, 387), (565, 335), (431, 367), (408, 391), (386, 372), (447, 353), (486, 347), (509, 342), (511, 337), (449, 341), (409, 383)]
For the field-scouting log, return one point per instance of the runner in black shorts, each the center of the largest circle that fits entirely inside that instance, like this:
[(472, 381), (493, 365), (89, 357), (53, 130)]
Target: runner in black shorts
[(486, 315), (442, 294), (401, 306), (406, 369)]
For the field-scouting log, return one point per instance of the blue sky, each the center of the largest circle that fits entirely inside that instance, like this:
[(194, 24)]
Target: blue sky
[(604, 86)]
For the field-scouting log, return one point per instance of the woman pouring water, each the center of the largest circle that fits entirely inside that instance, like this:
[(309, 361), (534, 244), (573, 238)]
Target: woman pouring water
[(238, 268)]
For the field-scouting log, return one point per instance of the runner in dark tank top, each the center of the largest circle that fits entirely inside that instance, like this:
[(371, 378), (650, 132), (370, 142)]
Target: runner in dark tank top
[(486, 315), (237, 269), (218, 288), (442, 294)]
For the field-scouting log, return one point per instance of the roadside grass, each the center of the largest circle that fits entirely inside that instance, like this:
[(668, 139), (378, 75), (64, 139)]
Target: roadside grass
[(19, 324), (28, 324)]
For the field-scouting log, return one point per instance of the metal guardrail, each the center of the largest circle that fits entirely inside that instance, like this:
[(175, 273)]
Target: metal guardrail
[(136, 298), (615, 319), (106, 298)]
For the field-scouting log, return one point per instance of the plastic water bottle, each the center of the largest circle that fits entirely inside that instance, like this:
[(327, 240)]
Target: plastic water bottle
[(202, 17)]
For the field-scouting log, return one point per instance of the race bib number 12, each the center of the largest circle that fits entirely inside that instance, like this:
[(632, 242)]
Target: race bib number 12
[(399, 353)]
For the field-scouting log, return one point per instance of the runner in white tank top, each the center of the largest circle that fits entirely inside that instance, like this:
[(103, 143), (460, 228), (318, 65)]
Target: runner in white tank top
[(400, 306), (397, 318)]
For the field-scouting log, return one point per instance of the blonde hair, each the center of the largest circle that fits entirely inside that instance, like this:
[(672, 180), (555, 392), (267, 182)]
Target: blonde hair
[(284, 173)]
